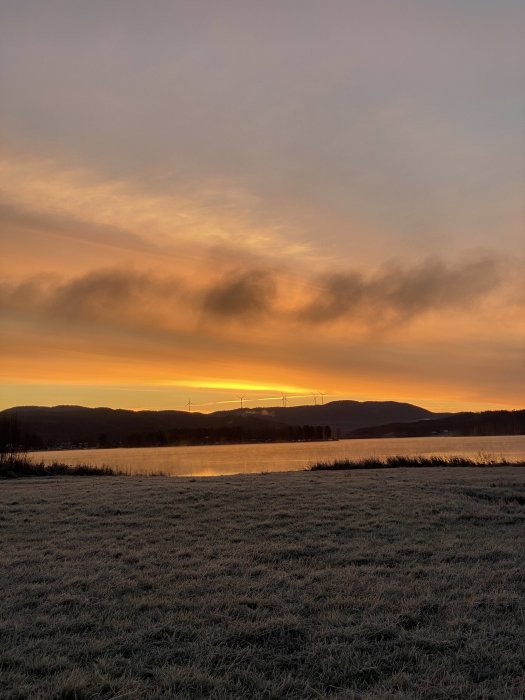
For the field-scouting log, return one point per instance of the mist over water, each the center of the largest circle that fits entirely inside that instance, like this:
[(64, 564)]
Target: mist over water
[(217, 460)]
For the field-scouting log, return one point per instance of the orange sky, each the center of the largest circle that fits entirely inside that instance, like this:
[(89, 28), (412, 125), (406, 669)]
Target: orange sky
[(209, 219)]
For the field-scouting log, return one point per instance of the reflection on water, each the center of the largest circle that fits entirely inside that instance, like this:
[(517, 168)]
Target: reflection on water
[(214, 460)]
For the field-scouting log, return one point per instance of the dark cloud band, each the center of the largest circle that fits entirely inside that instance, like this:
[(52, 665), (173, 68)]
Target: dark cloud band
[(392, 294)]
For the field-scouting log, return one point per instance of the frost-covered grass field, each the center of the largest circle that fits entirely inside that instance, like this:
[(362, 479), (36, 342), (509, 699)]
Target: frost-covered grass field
[(405, 583)]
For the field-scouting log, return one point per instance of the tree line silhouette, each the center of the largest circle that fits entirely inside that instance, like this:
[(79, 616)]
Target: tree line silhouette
[(14, 439), (225, 435)]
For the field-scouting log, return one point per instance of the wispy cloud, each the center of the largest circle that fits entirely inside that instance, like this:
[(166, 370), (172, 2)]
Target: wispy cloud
[(45, 193)]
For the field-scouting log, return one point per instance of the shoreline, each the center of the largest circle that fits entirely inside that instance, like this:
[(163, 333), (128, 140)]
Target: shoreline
[(22, 467)]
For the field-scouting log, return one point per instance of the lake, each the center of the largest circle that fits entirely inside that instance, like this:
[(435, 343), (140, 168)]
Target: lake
[(216, 460)]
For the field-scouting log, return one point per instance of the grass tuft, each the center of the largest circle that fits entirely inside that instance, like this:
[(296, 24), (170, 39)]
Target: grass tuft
[(24, 467), (398, 461)]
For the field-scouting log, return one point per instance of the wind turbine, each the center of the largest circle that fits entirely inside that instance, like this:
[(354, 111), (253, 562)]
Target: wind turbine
[(285, 400), (241, 399), (189, 405), (315, 399), (322, 395)]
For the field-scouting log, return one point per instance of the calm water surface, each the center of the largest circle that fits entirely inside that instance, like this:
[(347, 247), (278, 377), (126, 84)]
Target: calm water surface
[(214, 460)]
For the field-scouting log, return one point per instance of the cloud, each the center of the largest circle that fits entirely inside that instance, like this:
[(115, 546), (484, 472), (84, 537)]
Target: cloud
[(185, 220), (140, 298), (107, 295), (108, 292), (118, 325), (398, 293), (15, 217), (246, 293), (393, 294)]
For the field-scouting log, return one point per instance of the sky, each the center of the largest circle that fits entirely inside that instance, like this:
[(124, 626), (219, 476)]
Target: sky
[(205, 200)]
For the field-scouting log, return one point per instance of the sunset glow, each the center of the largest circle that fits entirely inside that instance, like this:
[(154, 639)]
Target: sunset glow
[(282, 206)]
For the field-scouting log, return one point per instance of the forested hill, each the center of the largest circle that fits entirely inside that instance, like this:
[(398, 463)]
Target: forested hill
[(105, 427), (484, 423), (341, 416), (60, 425)]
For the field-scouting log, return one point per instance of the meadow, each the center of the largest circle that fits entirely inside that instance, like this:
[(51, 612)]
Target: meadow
[(376, 583)]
